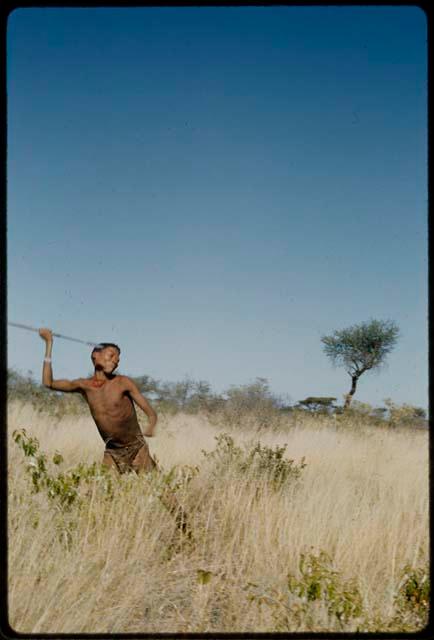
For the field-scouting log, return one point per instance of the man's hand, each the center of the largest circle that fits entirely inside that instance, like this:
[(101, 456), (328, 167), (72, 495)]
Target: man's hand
[(46, 334)]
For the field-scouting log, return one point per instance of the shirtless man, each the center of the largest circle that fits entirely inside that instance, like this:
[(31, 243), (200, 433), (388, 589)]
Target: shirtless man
[(111, 401), (110, 398)]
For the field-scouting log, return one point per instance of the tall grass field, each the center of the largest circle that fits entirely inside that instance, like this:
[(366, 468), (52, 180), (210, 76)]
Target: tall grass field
[(314, 523)]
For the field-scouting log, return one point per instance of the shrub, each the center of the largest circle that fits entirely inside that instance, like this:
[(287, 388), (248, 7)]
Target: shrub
[(412, 599), (188, 395), (405, 415), (318, 584), (250, 403), (362, 413), (62, 487), (319, 581), (258, 462), (178, 477)]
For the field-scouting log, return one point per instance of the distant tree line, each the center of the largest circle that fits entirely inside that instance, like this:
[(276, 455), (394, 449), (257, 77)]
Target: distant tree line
[(233, 405), (359, 348)]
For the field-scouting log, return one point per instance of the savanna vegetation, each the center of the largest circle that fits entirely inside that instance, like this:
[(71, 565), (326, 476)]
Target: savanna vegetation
[(304, 517)]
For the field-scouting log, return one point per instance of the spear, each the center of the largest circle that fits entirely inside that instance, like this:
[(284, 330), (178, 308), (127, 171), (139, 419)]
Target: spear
[(58, 335)]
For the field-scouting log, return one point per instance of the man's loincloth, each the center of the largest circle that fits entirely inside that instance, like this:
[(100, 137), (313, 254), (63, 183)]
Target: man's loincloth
[(131, 457)]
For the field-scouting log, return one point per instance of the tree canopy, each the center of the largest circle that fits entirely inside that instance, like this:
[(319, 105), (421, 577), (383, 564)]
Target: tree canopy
[(361, 347)]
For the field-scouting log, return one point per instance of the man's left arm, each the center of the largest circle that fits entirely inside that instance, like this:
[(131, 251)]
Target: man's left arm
[(144, 405)]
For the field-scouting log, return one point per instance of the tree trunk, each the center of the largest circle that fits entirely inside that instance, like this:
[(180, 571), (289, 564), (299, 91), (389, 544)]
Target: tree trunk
[(352, 391)]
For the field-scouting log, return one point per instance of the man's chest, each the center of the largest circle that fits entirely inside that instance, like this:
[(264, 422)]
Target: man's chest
[(110, 396)]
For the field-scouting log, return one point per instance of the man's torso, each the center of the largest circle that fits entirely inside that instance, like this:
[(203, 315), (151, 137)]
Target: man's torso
[(112, 410)]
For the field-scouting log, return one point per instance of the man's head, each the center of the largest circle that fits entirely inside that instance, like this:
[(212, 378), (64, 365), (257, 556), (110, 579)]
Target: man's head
[(105, 356)]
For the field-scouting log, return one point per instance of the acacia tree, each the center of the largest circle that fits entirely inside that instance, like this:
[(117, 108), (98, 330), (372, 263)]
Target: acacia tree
[(360, 348), (316, 404)]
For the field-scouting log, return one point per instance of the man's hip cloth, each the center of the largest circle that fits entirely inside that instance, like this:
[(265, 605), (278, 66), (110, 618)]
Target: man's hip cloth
[(131, 457)]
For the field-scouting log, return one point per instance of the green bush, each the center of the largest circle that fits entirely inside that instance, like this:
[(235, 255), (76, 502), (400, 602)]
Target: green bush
[(412, 599), (318, 584), (61, 487), (295, 608), (319, 581), (258, 461)]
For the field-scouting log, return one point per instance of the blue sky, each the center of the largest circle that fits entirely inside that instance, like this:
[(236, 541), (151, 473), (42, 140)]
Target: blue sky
[(215, 188)]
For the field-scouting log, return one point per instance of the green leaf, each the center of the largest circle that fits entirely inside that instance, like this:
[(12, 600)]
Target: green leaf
[(203, 576), (57, 458)]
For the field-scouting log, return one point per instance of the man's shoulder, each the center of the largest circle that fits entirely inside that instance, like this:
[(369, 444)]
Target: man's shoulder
[(126, 383), (123, 380)]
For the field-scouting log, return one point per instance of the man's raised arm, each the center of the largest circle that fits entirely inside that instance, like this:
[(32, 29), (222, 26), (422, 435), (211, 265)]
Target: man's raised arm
[(47, 371)]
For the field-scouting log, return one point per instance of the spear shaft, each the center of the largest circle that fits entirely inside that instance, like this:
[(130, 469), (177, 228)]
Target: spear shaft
[(58, 335)]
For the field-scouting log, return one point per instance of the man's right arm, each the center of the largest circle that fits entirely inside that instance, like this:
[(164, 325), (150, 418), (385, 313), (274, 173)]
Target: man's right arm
[(47, 371)]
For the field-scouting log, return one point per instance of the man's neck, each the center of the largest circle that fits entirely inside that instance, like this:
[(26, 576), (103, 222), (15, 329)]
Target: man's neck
[(100, 376)]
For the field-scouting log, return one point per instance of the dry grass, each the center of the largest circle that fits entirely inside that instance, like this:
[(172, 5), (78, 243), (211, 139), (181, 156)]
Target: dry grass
[(119, 565)]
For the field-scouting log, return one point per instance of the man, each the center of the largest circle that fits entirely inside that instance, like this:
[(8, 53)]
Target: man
[(111, 401)]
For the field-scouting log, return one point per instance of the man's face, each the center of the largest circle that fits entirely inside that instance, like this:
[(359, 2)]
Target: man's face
[(107, 360)]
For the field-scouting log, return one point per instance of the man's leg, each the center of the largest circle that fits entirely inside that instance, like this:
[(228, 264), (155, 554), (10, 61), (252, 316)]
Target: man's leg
[(108, 461), (143, 462)]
